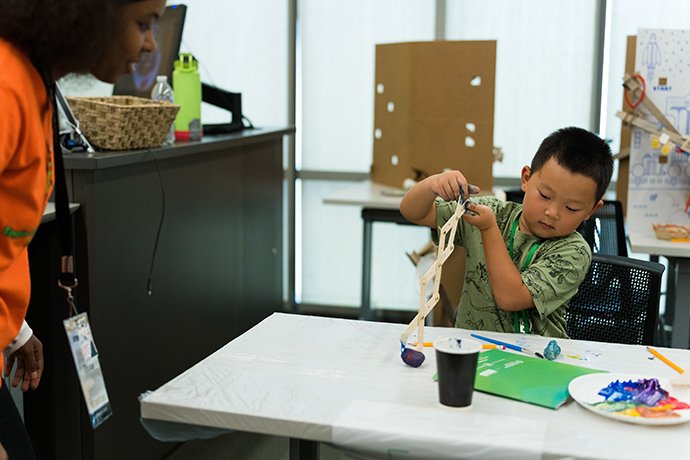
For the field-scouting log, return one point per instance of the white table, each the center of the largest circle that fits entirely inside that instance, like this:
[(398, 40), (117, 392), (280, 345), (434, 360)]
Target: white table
[(678, 292), (342, 382), (368, 194)]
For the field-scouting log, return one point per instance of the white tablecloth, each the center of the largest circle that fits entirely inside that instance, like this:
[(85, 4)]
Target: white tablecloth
[(343, 382)]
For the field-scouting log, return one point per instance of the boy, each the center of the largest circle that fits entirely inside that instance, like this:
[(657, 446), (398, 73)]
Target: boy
[(524, 262)]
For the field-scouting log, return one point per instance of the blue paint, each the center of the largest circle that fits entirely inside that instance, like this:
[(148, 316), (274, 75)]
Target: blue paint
[(410, 356), (552, 350)]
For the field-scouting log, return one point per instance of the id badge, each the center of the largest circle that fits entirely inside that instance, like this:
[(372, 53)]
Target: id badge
[(85, 356)]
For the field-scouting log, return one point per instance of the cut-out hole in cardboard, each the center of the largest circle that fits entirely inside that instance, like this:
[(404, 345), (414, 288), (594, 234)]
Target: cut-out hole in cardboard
[(469, 141), (391, 106), (379, 88), (471, 127), (394, 160), (476, 81), (377, 133)]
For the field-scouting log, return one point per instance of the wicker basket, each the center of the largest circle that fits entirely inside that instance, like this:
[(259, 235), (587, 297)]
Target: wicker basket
[(123, 122)]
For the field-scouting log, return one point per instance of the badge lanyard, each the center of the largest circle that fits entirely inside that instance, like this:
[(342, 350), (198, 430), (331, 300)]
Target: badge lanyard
[(533, 249), (77, 327), (67, 279)]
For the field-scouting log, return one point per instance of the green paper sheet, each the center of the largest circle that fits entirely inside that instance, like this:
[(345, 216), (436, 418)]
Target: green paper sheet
[(524, 378)]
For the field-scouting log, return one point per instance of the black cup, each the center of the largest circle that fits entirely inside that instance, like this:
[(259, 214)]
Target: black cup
[(456, 363)]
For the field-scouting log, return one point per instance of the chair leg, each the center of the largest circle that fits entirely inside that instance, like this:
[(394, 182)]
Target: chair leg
[(670, 293), (661, 336)]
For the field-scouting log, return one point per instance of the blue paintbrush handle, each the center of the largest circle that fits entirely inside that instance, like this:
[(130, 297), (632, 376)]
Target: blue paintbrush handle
[(497, 342)]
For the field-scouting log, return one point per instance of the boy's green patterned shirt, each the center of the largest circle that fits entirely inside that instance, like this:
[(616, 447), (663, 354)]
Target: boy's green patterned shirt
[(557, 268)]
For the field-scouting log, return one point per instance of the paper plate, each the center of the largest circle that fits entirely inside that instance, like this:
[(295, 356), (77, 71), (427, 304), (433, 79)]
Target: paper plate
[(585, 390)]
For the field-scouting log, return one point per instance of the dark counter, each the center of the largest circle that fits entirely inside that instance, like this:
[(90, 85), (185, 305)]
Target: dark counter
[(218, 268)]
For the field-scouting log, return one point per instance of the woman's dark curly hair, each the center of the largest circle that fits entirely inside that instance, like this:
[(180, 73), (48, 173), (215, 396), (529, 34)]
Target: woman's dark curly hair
[(66, 34)]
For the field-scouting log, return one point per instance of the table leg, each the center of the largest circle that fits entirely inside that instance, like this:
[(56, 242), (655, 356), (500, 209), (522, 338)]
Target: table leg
[(669, 290), (301, 449), (680, 335), (365, 311)]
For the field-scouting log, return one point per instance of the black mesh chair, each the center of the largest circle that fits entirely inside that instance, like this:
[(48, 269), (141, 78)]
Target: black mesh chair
[(617, 302), (605, 230), (515, 195)]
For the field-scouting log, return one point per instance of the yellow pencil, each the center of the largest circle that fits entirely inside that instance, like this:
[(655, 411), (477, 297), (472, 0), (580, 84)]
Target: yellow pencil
[(665, 360), (485, 346)]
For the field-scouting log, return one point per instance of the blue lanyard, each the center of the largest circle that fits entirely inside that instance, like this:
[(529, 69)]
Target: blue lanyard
[(533, 249)]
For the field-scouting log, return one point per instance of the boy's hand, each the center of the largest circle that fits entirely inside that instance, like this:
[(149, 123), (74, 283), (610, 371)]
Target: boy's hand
[(447, 185), (480, 216)]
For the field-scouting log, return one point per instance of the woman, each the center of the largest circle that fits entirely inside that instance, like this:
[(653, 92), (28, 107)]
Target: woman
[(40, 42)]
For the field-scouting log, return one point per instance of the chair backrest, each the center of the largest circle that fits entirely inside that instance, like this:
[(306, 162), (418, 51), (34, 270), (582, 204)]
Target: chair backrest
[(515, 195), (605, 230), (617, 302)]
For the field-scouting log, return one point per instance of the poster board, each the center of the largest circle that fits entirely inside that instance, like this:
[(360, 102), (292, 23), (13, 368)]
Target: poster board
[(434, 109), (658, 187)]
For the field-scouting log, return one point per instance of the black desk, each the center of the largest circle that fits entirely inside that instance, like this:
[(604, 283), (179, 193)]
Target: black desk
[(369, 216), (52, 412), (379, 203), (678, 287), (218, 269)]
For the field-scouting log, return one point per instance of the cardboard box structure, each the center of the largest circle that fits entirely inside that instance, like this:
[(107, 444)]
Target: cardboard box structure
[(659, 169), (434, 109)]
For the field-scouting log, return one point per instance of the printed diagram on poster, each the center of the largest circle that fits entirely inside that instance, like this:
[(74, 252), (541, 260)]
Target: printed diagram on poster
[(659, 180)]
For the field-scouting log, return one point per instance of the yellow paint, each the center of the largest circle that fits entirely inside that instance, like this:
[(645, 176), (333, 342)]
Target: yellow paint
[(630, 413)]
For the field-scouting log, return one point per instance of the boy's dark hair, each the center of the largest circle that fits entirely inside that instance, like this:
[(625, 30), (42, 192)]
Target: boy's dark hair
[(579, 151), (66, 34)]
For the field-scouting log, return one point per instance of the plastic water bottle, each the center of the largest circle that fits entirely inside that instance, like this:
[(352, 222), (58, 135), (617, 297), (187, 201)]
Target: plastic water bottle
[(162, 91), (187, 84)]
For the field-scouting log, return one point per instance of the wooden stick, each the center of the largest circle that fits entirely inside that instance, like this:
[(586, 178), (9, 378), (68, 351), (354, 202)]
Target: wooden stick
[(630, 83), (445, 249), (683, 142)]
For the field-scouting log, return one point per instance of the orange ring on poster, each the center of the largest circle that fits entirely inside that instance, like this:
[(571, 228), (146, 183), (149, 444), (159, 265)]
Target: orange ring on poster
[(639, 78)]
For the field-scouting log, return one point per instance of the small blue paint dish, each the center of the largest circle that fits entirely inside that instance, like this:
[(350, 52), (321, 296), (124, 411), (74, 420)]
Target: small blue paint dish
[(552, 350), (411, 356)]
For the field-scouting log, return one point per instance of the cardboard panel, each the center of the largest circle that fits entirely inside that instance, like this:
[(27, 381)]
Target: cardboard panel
[(440, 143), (624, 160), (433, 109), (452, 281)]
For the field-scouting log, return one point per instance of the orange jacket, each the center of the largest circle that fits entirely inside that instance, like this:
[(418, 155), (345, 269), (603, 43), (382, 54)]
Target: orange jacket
[(26, 180)]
